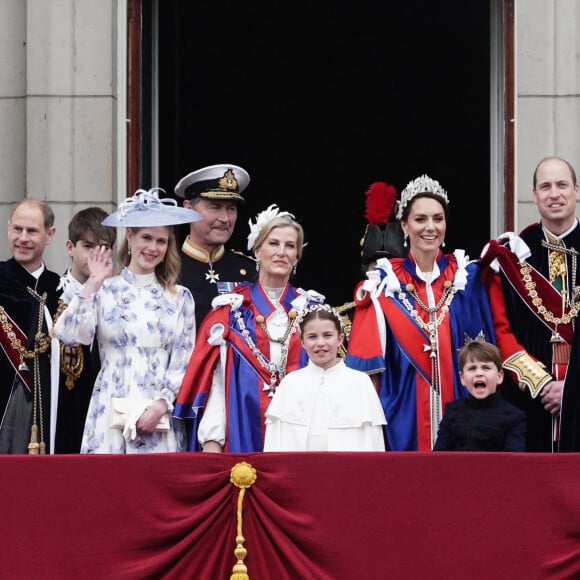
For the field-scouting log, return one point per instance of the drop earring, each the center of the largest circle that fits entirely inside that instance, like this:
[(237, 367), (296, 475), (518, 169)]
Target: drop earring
[(405, 236), (257, 266), (128, 250), (443, 244), (294, 269)]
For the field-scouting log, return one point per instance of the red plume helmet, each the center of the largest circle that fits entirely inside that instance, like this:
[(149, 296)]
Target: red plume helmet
[(382, 237), (380, 202)]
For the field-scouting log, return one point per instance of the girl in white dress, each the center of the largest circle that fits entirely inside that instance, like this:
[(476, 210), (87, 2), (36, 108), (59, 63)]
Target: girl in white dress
[(324, 406), (145, 327)]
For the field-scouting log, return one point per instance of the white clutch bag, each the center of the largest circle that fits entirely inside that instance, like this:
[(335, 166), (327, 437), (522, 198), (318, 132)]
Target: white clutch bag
[(125, 411)]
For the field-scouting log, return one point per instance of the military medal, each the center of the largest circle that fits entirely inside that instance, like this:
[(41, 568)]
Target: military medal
[(211, 275)]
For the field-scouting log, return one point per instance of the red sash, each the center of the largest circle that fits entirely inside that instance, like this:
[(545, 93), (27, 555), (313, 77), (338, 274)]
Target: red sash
[(551, 298), (12, 354)]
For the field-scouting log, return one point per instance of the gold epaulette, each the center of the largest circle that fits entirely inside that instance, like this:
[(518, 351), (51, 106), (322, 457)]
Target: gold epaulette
[(530, 373)]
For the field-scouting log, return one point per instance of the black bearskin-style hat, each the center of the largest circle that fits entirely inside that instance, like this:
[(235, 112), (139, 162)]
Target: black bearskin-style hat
[(383, 237)]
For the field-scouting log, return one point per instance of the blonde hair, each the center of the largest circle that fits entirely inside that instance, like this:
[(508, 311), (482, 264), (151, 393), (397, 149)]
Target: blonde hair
[(167, 270), (279, 222)]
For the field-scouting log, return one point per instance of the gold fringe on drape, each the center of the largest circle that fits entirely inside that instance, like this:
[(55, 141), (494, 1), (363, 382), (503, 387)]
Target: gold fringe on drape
[(243, 475)]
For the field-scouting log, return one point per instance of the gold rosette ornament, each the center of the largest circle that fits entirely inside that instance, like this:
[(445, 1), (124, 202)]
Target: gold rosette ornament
[(243, 475)]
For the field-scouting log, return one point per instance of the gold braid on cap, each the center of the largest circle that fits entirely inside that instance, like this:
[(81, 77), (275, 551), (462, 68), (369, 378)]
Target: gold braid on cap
[(423, 184)]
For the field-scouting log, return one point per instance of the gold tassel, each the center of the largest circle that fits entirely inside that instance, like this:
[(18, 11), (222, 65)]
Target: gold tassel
[(243, 475), (33, 446)]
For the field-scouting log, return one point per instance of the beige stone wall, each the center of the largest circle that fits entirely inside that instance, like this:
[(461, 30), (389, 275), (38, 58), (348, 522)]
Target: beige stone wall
[(62, 107), (63, 95), (548, 91), (12, 107)]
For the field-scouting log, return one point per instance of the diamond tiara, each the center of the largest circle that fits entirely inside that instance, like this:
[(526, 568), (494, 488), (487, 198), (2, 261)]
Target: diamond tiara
[(317, 308), (423, 184)]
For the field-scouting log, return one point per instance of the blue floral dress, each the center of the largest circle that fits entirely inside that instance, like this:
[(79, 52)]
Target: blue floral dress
[(145, 336)]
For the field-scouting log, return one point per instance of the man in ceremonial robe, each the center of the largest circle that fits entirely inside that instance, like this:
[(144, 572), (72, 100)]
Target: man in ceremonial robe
[(534, 287), (28, 358)]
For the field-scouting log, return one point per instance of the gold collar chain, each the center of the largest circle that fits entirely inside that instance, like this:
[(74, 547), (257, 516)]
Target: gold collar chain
[(431, 329), (41, 340), (276, 372), (292, 316), (537, 301), (434, 320)]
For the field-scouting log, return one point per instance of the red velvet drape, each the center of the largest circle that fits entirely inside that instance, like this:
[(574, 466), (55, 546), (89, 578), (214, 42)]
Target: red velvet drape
[(308, 516)]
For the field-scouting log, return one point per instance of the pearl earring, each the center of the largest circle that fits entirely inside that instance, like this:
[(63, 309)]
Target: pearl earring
[(405, 236)]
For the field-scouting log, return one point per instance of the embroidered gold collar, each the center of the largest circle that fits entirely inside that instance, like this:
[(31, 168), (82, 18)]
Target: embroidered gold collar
[(201, 255)]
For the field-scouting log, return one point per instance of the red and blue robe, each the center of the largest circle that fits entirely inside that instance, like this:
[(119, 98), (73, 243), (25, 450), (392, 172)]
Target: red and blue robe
[(386, 341), (246, 400)]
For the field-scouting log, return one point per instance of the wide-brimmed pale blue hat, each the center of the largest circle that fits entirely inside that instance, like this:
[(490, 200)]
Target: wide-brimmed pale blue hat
[(144, 209)]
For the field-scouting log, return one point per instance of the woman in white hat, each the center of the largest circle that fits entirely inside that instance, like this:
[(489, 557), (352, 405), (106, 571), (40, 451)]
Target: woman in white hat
[(145, 327)]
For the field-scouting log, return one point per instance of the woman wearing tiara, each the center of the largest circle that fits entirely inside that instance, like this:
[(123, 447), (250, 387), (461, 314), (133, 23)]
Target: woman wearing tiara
[(412, 316), (247, 344)]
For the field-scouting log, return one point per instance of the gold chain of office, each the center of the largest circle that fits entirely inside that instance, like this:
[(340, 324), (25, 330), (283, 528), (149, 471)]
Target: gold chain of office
[(41, 340), (537, 301)]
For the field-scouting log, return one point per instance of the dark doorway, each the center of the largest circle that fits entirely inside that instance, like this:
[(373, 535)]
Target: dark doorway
[(319, 99)]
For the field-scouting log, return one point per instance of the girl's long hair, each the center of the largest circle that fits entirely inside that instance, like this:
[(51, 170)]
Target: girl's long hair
[(167, 270)]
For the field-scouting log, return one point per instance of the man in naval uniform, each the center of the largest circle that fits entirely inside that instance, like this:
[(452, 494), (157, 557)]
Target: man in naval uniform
[(208, 268)]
